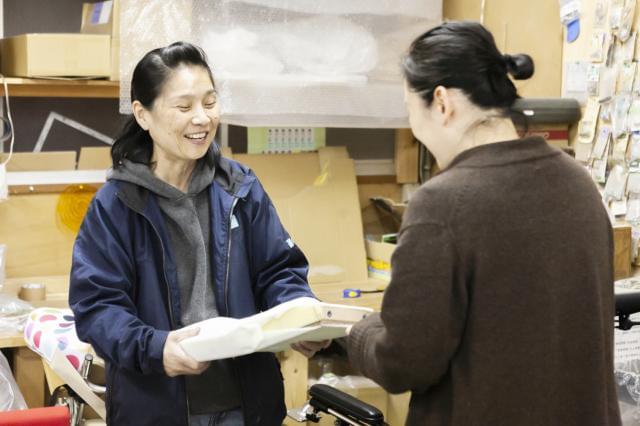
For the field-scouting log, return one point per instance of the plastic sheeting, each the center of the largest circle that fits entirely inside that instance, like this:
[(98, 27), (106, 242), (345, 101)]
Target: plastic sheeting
[(627, 362), (330, 63)]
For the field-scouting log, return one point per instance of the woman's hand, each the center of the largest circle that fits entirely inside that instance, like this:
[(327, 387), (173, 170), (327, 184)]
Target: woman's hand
[(309, 349), (175, 361)]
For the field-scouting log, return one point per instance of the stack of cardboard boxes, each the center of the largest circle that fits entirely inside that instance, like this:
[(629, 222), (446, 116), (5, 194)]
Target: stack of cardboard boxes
[(92, 53)]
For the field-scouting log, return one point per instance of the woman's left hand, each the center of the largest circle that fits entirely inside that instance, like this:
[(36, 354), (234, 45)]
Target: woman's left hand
[(309, 349)]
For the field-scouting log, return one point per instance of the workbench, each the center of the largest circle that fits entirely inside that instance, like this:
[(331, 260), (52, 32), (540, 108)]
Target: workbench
[(29, 372)]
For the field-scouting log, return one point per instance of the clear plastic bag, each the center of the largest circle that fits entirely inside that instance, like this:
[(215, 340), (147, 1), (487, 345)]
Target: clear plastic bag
[(13, 314), (627, 364), (331, 63), (10, 396)]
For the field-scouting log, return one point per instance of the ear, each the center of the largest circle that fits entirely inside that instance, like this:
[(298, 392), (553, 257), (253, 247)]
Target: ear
[(140, 114), (443, 104)]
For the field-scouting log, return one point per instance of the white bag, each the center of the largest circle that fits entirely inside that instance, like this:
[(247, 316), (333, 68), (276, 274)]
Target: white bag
[(10, 396)]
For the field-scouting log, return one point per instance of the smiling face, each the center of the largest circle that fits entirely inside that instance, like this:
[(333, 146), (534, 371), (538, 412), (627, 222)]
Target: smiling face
[(183, 119)]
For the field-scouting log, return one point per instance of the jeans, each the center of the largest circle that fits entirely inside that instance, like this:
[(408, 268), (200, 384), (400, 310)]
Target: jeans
[(223, 418)]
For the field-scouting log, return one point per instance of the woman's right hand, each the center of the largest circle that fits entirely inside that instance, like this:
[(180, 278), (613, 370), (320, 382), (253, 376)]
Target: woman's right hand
[(175, 361)]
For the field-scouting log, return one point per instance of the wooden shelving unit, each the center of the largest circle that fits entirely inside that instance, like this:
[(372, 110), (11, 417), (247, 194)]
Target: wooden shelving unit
[(40, 88)]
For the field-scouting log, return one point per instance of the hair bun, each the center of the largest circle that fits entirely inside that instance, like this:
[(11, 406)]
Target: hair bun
[(519, 66)]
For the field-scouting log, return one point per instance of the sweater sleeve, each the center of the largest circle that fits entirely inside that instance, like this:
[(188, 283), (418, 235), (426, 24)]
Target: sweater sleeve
[(409, 345)]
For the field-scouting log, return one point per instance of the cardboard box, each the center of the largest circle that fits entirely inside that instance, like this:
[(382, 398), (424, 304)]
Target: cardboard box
[(316, 197), (379, 259), (101, 18), (104, 18), (115, 59), (57, 55)]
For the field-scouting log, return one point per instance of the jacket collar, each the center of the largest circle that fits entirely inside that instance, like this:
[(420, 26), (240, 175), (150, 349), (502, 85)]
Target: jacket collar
[(230, 176)]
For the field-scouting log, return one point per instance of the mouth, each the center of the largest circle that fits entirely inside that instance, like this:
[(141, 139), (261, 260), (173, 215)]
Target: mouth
[(197, 138)]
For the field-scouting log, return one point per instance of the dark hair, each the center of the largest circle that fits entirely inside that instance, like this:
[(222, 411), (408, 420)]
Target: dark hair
[(464, 55), (149, 76)]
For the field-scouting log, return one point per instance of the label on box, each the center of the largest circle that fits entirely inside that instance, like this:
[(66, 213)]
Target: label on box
[(101, 12)]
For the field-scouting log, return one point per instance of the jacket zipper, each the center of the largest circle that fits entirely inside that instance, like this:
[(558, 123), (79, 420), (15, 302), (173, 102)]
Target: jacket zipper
[(226, 291), (169, 303), (226, 279)]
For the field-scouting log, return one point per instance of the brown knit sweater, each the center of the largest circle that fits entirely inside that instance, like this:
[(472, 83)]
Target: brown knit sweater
[(500, 307)]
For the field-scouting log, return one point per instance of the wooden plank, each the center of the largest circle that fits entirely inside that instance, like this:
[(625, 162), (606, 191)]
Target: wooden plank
[(406, 156), (622, 251), (512, 24), (29, 375), (94, 157), (332, 293), (376, 180), (37, 243), (27, 87), (397, 408), (14, 340), (41, 161), (295, 370)]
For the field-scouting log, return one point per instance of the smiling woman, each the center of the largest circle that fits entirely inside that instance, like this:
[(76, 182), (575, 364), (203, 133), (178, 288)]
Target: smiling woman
[(182, 123), (174, 103), (178, 235)]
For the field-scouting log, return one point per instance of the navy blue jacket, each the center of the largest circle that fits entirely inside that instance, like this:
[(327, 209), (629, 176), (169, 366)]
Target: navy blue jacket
[(125, 297)]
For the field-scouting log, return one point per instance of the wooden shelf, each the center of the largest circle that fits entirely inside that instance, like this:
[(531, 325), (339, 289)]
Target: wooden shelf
[(41, 88)]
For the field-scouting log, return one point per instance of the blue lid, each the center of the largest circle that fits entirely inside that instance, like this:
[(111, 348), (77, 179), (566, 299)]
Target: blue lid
[(573, 30)]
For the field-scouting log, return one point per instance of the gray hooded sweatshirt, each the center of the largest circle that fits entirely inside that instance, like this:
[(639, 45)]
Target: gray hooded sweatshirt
[(187, 217)]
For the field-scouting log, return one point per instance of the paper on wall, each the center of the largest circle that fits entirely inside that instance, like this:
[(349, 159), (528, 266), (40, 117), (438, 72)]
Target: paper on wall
[(599, 167), (607, 83), (597, 46), (600, 15), (628, 48), (619, 207), (615, 14), (575, 80), (626, 19), (587, 126), (601, 142), (633, 118), (621, 104), (627, 77), (620, 145), (633, 183), (615, 187), (593, 79)]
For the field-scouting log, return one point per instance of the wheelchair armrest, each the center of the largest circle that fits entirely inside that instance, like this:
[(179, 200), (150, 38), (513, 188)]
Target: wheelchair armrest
[(324, 397)]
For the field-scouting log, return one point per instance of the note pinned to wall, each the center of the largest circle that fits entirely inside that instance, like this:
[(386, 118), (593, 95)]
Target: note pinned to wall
[(575, 80)]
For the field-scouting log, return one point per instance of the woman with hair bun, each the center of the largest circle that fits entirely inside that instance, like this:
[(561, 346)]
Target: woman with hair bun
[(500, 306)]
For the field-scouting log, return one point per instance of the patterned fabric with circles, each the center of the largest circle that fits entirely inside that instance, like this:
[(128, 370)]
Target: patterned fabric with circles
[(48, 329)]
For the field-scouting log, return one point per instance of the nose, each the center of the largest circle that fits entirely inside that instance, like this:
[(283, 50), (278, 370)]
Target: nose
[(200, 116)]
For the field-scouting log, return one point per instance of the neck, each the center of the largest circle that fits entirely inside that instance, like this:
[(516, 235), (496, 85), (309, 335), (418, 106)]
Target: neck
[(175, 173), (495, 131), (478, 133)]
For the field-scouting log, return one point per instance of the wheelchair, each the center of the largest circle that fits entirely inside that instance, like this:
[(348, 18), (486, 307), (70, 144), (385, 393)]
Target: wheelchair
[(347, 410)]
